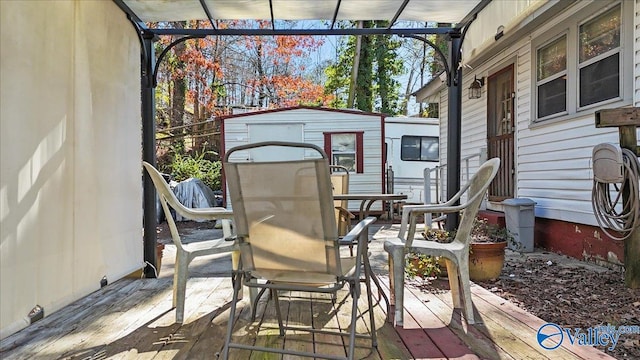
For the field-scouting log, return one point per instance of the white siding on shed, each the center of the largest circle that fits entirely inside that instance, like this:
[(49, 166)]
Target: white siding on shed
[(315, 123)]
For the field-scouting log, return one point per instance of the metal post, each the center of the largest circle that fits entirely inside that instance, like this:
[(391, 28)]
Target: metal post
[(149, 154), (427, 195), (454, 124)]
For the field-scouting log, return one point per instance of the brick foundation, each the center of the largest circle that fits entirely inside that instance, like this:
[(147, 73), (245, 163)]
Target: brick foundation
[(580, 241)]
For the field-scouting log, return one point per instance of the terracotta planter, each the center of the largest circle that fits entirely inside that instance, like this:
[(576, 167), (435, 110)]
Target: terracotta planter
[(486, 260), (443, 267), (159, 250), (140, 273)]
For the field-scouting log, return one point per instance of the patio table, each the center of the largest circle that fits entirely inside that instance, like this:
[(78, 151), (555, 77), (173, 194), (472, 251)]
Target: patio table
[(367, 199)]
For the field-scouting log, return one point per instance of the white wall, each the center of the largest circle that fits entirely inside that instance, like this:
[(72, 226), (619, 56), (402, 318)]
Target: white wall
[(553, 158), (70, 179)]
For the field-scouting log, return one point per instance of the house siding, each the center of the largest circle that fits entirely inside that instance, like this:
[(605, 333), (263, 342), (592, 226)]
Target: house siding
[(553, 157)]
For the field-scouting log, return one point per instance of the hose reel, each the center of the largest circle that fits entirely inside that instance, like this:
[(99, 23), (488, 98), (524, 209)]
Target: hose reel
[(616, 172)]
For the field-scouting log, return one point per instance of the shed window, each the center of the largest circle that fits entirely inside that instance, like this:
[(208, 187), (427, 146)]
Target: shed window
[(419, 148), (345, 149)]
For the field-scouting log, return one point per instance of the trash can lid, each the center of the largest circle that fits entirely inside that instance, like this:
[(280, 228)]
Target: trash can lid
[(519, 202)]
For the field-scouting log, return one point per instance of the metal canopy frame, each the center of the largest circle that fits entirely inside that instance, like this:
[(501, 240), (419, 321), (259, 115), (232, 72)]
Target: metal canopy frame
[(149, 66)]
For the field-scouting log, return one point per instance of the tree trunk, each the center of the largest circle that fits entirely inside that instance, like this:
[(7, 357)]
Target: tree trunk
[(179, 89), (364, 81), (354, 70)]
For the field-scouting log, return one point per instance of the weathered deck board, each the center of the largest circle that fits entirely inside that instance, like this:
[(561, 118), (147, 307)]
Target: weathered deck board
[(268, 334), (518, 315), (71, 319), (299, 315), (445, 341), (133, 319), (323, 319)]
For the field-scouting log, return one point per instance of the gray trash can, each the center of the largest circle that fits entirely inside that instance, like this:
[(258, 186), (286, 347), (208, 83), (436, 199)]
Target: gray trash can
[(520, 218)]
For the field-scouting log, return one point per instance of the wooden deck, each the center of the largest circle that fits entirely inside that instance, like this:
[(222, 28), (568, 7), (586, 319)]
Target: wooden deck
[(133, 319)]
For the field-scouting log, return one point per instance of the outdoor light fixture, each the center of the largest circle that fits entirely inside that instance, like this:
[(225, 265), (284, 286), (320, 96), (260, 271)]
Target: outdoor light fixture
[(475, 90)]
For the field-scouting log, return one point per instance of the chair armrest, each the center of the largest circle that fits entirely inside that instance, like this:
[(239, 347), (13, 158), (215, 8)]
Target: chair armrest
[(356, 231), (345, 213), (206, 213), (410, 215)]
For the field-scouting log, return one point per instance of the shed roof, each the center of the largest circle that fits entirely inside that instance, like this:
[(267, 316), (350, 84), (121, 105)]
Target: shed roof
[(318, 108)]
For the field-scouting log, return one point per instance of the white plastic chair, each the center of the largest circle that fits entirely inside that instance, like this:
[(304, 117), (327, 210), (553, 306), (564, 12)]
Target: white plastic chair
[(456, 253), (187, 252), (288, 238)]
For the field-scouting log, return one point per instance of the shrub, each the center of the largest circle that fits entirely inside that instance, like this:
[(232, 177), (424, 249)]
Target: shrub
[(185, 166), (421, 265)]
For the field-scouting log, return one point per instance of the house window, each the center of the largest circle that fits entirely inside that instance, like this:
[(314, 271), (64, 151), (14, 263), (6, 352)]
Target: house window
[(419, 148), (345, 149), (580, 65), (599, 58), (552, 77)]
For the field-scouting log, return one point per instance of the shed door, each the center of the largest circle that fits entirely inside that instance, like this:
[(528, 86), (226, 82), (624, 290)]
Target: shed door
[(276, 132), (500, 129)]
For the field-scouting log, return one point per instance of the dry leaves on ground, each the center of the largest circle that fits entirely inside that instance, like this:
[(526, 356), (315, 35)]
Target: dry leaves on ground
[(572, 295)]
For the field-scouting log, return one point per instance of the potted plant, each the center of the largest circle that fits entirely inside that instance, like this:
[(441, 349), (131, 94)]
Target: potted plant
[(422, 266), (159, 253), (486, 250)]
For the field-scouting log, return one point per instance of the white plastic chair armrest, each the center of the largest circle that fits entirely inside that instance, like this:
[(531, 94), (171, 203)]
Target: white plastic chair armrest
[(206, 213)]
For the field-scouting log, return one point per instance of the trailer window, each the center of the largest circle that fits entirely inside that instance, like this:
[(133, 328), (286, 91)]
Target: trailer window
[(419, 148), (345, 149)]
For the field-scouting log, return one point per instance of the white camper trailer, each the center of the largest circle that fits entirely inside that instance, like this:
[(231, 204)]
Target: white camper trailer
[(412, 145)]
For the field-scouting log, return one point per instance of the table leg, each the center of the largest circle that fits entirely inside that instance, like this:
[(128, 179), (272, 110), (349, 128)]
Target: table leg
[(374, 277), (361, 214), (392, 299)]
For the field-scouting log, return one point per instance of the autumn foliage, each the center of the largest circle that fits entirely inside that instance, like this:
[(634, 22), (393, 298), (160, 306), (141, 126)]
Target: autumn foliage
[(223, 72)]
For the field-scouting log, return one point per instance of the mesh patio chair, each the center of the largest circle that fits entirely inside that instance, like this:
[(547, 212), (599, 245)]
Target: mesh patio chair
[(340, 185), (456, 253), (187, 252), (287, 235), (344, 217)]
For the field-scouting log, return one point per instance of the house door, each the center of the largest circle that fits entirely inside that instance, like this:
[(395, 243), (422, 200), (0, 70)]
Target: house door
[(500, 129)]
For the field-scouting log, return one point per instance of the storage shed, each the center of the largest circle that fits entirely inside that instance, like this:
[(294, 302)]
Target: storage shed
[(351, 138)]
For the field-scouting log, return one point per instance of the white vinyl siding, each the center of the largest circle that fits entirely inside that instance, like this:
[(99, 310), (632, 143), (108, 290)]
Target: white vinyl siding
[(553, 157)]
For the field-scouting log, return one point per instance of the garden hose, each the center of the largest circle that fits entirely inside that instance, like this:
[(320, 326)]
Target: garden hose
[(614, 213)]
